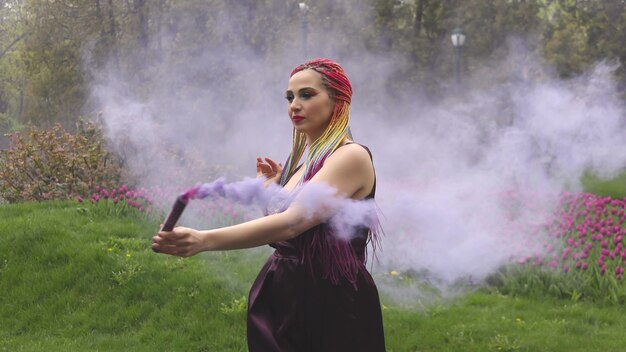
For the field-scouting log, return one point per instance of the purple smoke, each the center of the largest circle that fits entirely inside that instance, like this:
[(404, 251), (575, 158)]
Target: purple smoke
[(344, 215)]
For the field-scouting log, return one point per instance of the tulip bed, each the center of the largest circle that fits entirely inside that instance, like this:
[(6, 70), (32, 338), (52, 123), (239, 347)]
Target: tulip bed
[(584, 257)]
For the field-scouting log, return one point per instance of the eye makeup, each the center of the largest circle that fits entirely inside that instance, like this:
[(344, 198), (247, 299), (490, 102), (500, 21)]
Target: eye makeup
[(304, 94)]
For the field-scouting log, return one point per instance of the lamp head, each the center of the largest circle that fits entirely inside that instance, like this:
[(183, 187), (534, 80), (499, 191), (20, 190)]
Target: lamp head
[(458, 37)]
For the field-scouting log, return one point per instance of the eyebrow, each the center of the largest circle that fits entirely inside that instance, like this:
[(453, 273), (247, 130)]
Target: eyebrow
[(302, 89)]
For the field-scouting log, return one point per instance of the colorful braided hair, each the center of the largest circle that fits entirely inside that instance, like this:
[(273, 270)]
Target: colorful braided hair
[(321, 249), (336, 82)]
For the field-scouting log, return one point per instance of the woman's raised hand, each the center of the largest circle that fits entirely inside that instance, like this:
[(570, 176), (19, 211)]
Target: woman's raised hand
[(181, 241), (268, 168)]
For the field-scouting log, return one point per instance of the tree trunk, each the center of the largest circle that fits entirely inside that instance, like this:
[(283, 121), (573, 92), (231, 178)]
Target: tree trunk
[(100, 18), (417, 28), (159, 25), (142, 20), (385, 13), (113, 35), (419, 17), (20, 112)]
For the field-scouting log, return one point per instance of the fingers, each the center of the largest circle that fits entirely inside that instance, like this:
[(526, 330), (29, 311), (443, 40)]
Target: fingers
[(180, 249), (171, 250), (181, 241), (177, 237), (272, 163), (267, 168), (268, 165), (176, 234), (262, 168), (259, 165)]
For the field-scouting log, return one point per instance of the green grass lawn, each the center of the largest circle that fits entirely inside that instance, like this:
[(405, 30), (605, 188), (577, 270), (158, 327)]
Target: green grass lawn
[(615, 187), (75, 279)]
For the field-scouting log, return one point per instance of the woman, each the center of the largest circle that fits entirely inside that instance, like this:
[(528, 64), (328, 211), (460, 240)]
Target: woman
[(314, 293)]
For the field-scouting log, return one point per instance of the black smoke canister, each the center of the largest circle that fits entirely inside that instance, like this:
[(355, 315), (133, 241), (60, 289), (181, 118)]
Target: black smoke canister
[(175, 213)]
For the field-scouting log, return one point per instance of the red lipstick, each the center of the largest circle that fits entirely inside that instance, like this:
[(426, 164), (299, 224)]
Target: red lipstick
[(297, 118)]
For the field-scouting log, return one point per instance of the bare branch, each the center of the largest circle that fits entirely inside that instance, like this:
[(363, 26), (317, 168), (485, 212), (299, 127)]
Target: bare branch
[(6, 50)]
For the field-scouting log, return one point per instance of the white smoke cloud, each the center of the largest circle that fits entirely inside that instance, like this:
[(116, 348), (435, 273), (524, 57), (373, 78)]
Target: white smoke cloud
[(471, 189), (462, 182)]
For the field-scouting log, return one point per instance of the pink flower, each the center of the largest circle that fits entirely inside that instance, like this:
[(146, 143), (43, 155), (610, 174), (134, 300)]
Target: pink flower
[(79, 199)]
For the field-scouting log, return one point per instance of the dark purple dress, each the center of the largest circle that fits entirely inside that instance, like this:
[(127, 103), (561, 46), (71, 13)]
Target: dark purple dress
[(307, 300)]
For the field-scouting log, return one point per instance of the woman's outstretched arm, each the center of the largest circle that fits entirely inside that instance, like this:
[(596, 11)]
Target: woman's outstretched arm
[(348, 170)]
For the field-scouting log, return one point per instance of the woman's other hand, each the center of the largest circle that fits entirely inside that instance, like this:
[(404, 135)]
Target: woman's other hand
[(268, 168), (181, 241)]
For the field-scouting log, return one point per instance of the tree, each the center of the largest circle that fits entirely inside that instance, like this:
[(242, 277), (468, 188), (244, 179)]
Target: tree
[(12, 35)]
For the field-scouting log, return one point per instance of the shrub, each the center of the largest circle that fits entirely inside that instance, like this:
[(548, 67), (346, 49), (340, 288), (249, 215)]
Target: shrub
[(56, 164)]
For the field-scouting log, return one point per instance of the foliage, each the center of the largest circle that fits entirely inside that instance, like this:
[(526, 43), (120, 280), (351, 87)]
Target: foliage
[(53, 50), (579, 33), (237, 305), (55, 164)]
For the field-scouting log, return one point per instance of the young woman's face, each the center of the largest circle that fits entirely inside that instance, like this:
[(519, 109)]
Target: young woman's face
[(310, 106)]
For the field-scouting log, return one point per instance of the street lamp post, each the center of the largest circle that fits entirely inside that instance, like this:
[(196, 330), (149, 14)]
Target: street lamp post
[(458, 39), (304, 11)]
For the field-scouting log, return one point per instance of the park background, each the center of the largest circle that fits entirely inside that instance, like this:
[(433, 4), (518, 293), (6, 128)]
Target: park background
[(103, 104)]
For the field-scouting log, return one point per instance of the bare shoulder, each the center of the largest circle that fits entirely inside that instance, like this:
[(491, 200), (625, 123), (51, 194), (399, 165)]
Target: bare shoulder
[(351, 156), (350, 170), (351, 159)]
